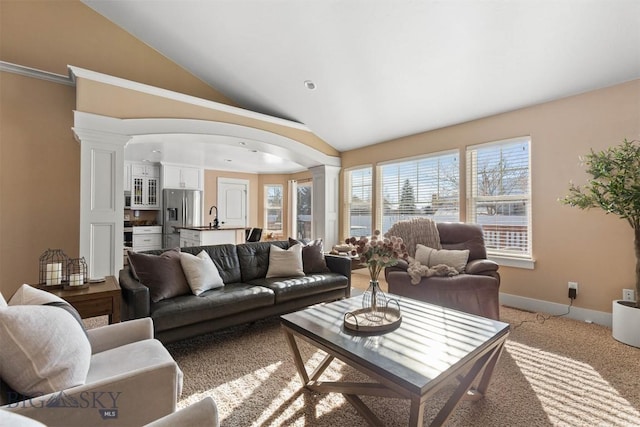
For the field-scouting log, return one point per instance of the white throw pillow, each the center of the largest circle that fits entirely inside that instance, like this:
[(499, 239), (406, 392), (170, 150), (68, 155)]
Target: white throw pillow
[(432, 257), (201, 272), (285, 263), (3, 303), (43, 349), (28, 295)]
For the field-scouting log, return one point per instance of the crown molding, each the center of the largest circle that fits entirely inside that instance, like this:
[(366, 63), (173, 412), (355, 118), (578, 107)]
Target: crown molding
[(77, 72), (35, 73)]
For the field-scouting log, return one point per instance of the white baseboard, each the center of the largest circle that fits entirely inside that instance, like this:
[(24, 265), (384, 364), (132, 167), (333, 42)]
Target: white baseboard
[(540, 306)]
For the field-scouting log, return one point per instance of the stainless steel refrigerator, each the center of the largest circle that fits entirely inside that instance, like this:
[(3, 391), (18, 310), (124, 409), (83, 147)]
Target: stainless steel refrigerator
[(181, 208)]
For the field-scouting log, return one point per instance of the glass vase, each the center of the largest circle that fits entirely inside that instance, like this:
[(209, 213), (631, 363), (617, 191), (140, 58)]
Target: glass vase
[(374, 302)]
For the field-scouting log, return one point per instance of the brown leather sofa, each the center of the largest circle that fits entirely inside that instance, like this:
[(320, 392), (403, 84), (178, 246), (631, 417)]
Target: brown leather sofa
[(475, 291)]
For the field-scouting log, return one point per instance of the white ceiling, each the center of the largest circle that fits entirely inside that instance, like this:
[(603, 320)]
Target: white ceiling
[(390, 68)]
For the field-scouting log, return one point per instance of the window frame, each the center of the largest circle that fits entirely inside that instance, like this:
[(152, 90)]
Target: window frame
[(267, 208), (503, 256), (348, 186)]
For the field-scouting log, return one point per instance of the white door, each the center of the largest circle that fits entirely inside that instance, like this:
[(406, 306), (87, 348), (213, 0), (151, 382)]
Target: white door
[(233, 195)]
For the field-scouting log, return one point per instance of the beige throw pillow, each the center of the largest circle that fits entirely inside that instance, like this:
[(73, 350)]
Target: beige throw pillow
[(285, 263), (432, 257), (201, 272), (43, 349)]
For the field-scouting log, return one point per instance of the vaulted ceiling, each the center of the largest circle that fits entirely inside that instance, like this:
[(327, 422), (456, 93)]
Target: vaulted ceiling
[(384, 69)]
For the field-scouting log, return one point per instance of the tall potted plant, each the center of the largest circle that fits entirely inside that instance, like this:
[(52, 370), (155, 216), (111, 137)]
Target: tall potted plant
[(614, 187)]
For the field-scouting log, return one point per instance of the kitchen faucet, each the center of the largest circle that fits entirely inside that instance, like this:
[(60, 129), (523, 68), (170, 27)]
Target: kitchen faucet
[(215, 223)]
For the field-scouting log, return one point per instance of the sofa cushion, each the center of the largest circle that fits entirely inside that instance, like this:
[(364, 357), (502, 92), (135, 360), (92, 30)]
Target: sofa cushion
[(285, 262), (432, 257), (286, 289), (224, 257), (200, 271), (254, 258), (162, 274), (43, 349), (312, 256), (216, 303), (28, 295)]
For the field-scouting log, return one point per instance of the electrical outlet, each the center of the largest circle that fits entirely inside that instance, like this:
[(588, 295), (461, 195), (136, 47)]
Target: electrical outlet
[(573, 289), (628, 295)]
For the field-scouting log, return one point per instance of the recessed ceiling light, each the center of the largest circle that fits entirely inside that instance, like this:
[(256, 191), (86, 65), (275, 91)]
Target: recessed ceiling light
[(227, 160), (242, 143), (254, 151), (156, 151), (309, 85)]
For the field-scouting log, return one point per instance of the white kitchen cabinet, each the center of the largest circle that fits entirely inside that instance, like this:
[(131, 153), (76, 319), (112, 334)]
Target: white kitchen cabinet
[(146, 238), (143, 169), (145, 186), (182, 177)]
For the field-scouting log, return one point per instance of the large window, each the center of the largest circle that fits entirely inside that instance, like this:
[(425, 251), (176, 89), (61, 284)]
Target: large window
[(420, 187), (499, 195), (303, 210), (358, 201), (273, 208)]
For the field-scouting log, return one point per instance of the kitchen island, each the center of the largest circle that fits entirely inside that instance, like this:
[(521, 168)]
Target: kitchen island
[(206, 235)]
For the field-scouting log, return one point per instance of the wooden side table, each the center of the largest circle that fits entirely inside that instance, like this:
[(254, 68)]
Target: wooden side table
[(98, 299)]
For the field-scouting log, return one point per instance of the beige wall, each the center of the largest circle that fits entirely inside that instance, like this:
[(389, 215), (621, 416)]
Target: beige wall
[(39, 158), (49, 35), (591, 248), (39, 177)]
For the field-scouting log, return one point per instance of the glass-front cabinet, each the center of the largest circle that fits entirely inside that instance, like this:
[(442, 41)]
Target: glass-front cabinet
[(145, 185)]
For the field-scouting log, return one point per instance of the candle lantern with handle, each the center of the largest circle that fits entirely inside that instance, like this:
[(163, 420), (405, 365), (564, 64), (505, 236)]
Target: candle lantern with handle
[(53, 267), (77, 268)]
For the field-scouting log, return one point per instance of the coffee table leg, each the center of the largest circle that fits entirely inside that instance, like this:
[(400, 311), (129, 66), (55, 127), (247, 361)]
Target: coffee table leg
[(416, 413), (302, 371), (487, 361)]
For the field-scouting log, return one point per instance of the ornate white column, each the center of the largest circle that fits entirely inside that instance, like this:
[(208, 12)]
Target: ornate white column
[(325, 203), (101, 199)]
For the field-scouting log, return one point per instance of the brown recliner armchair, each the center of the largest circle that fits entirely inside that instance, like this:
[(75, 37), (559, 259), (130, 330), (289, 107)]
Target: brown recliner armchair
[(473, 291)]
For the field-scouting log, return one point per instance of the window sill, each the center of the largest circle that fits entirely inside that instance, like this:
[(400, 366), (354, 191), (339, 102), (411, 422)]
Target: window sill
[(526, 263)]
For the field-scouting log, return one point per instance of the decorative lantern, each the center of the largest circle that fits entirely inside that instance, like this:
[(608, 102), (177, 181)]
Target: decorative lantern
[(77, 268), (53, 267)]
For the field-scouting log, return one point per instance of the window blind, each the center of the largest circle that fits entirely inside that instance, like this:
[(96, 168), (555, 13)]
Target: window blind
[(499, 195), (427, 186), (358, 201)]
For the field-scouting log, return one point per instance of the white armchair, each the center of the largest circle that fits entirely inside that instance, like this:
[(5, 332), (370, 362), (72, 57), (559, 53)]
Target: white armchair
[(132, 381)]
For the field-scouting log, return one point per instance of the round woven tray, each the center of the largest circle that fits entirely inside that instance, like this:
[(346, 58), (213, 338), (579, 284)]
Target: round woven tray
[(357, 321)]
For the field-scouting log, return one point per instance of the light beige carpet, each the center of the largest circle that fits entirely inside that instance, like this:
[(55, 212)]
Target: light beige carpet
[(557, 373), (560, 372)]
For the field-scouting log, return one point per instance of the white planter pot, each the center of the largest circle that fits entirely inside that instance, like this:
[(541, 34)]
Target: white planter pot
[(625, 323)]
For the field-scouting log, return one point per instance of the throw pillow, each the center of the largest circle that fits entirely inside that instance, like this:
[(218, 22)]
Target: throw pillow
[(162, 274), (3, 303), (432, 257), (285, 263), (312, 256), (43, 349), (201, 272), (28, 295)]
